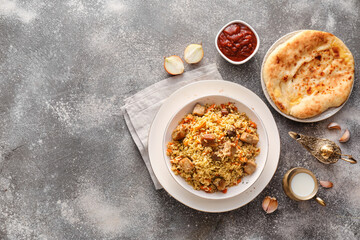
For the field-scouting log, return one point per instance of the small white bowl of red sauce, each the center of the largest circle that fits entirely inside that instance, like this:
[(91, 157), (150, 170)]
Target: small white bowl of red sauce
[(237, 42)]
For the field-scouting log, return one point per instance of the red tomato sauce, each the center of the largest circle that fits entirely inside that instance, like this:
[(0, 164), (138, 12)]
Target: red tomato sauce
[(237, 42)]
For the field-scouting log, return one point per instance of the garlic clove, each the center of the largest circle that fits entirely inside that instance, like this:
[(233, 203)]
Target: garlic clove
[(270, 204), (345, 137), (326, 184), (193, 53), (174, 65), (334, 125), (266, 203)]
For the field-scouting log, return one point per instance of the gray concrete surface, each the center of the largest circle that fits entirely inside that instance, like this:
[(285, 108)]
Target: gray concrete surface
[(69, 168)]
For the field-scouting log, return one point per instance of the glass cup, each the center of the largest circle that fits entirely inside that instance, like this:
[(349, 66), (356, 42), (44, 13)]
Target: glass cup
[(301, 187)]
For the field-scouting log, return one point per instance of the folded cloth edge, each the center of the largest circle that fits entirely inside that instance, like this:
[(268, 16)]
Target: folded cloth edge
[(194, 75), (143, 151)]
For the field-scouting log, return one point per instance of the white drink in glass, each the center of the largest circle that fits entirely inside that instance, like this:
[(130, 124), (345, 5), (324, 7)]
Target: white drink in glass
[(302, 184)]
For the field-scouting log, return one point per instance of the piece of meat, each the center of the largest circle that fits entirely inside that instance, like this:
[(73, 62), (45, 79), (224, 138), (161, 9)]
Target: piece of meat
[(208, 140), (208, 137), (224, 112), (249, 138), (199, 110), (250, 167), (231, 132), (186, 165), (220, 184), (215, 157), (229, 149), (179, 133)]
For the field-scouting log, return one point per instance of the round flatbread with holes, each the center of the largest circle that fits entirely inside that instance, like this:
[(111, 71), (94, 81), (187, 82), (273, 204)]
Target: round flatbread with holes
[(309, 73)]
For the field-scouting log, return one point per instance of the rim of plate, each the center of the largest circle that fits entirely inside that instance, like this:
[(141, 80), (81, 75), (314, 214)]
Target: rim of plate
[(207, 205), (195, 191), (322, 116)]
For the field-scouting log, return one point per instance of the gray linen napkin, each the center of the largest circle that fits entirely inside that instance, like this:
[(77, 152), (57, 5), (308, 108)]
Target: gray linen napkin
[(140, 109)]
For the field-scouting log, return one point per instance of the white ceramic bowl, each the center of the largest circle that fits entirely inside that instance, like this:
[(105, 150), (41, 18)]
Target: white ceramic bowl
[(248, 58), (247, 181)]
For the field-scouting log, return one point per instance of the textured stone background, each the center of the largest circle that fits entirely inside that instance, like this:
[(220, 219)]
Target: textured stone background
[(69, 168)]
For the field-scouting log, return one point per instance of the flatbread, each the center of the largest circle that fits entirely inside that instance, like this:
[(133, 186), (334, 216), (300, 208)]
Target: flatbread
[(309, 73)]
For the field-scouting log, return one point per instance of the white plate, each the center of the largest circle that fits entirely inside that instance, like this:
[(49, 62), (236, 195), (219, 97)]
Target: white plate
[(322, 116), (172, 105), (262, 144)]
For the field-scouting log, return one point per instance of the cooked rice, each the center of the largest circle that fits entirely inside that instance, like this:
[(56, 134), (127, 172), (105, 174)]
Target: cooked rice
[(231, 169)]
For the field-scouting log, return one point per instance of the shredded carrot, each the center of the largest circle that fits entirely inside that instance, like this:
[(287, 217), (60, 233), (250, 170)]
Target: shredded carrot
[(239, 180), (169, 150), (248, 130), (209, 108), (252, 124), (203, 124), (170, 143), (224, 191), (189, 118), (206, 189), (205, 152), (222, 136), (243, 159)]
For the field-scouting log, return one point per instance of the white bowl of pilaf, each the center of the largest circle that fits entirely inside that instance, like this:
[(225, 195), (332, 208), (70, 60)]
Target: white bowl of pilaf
[(215, 147)]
